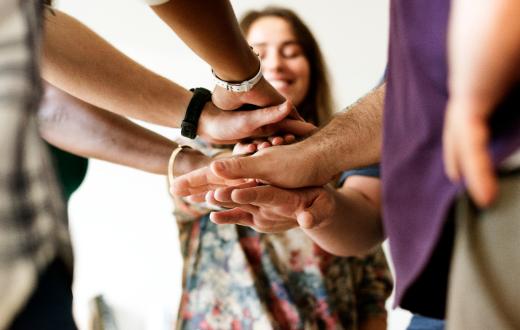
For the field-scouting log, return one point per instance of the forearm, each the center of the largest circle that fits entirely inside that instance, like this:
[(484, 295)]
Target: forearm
[(353, 137), (78, 61), (484, 51), (353, 227), (86, 130), (211, 29)]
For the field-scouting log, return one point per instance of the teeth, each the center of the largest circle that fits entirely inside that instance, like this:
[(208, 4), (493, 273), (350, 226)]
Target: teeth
[(279, 83)]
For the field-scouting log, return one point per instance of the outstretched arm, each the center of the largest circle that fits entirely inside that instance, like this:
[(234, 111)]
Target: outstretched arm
[(211, 30), (343, 222), (484, 62), (83, 129), (356, 228), (81, 63)]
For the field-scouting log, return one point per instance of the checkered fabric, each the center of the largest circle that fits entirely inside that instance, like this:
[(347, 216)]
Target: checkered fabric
[(33, 222)]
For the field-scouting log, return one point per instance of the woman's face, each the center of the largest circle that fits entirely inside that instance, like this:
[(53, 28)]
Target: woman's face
[(283, 63)]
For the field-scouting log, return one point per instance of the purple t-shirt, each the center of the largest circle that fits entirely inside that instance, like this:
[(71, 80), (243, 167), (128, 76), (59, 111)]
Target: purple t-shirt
[(416, 192)]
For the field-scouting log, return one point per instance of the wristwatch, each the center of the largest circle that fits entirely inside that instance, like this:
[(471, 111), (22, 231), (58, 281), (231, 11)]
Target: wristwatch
[(189, 125), (240, 87)]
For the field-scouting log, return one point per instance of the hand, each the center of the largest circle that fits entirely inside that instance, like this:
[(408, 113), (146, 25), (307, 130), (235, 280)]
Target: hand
[(189, 160), (228, 127), (262, 95), (200, 181), (246, 148), (465, 147), (271, 209), (288, 166)]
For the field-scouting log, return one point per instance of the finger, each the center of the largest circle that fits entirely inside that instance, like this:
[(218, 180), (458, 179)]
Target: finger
[(199, 198), (296, 127), (273, 226), (320, 207), (276, 140), (258, 141), (233, 216), (256, 119), (449, 148), (289, 138), (477, 167), (250, 218), (181, 185), (210, 199), (244, 148), (295, 114), (218, 141), (305, 220), (264, 195), (264, 145), (197, 182), (241, 167), (224, 194), (451, 166)]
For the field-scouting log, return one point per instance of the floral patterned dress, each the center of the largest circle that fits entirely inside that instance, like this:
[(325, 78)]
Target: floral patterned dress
[(237, 278)]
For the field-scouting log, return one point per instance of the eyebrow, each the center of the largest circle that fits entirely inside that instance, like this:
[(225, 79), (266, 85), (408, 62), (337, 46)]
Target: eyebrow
[(285, 43)]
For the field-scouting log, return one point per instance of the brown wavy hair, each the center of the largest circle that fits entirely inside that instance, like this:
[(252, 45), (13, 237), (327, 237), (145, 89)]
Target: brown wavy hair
[(316, 107)]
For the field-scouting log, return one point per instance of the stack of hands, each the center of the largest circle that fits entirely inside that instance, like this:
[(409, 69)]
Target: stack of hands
[(256, 184)]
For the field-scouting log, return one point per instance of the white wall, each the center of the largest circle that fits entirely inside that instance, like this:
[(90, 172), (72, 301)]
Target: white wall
[(124, 235)]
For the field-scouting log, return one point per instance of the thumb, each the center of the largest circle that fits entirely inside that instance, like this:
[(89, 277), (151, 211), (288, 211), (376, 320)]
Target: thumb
[(305, 220), (269, 115), (315, 215), (241, 167), (296, 127)]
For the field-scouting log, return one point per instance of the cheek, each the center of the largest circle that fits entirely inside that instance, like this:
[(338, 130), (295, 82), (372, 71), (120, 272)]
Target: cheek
[(303, 72)]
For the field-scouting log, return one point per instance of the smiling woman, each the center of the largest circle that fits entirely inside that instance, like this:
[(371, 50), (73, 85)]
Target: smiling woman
[(291, 60)]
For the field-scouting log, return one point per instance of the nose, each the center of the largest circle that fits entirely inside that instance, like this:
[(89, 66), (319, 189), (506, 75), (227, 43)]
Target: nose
[(272, 61)]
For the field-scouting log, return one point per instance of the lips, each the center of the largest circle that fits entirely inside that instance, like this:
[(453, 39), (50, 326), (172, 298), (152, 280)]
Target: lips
[(280, 83)]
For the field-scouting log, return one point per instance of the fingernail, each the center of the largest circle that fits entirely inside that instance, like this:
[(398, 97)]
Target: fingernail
[(219, 165)]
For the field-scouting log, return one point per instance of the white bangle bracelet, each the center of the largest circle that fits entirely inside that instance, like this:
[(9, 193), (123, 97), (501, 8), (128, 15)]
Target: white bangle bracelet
[(241, 87)]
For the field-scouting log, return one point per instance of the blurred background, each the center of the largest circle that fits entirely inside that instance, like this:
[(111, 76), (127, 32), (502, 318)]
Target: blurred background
[(124, 234)]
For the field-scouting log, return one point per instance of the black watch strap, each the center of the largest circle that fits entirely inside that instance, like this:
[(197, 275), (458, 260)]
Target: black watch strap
[(191, 119)]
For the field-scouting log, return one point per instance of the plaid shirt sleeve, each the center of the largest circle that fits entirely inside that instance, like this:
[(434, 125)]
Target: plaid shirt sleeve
[(33, 227)]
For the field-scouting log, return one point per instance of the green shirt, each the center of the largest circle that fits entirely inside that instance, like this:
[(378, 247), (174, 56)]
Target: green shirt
[(70, 170)]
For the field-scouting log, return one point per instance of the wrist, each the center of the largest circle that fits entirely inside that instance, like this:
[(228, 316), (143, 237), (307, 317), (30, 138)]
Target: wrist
[(189, 160), (475, 106), (239, 86), (238, 73), (322, 166), (208, 114)]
